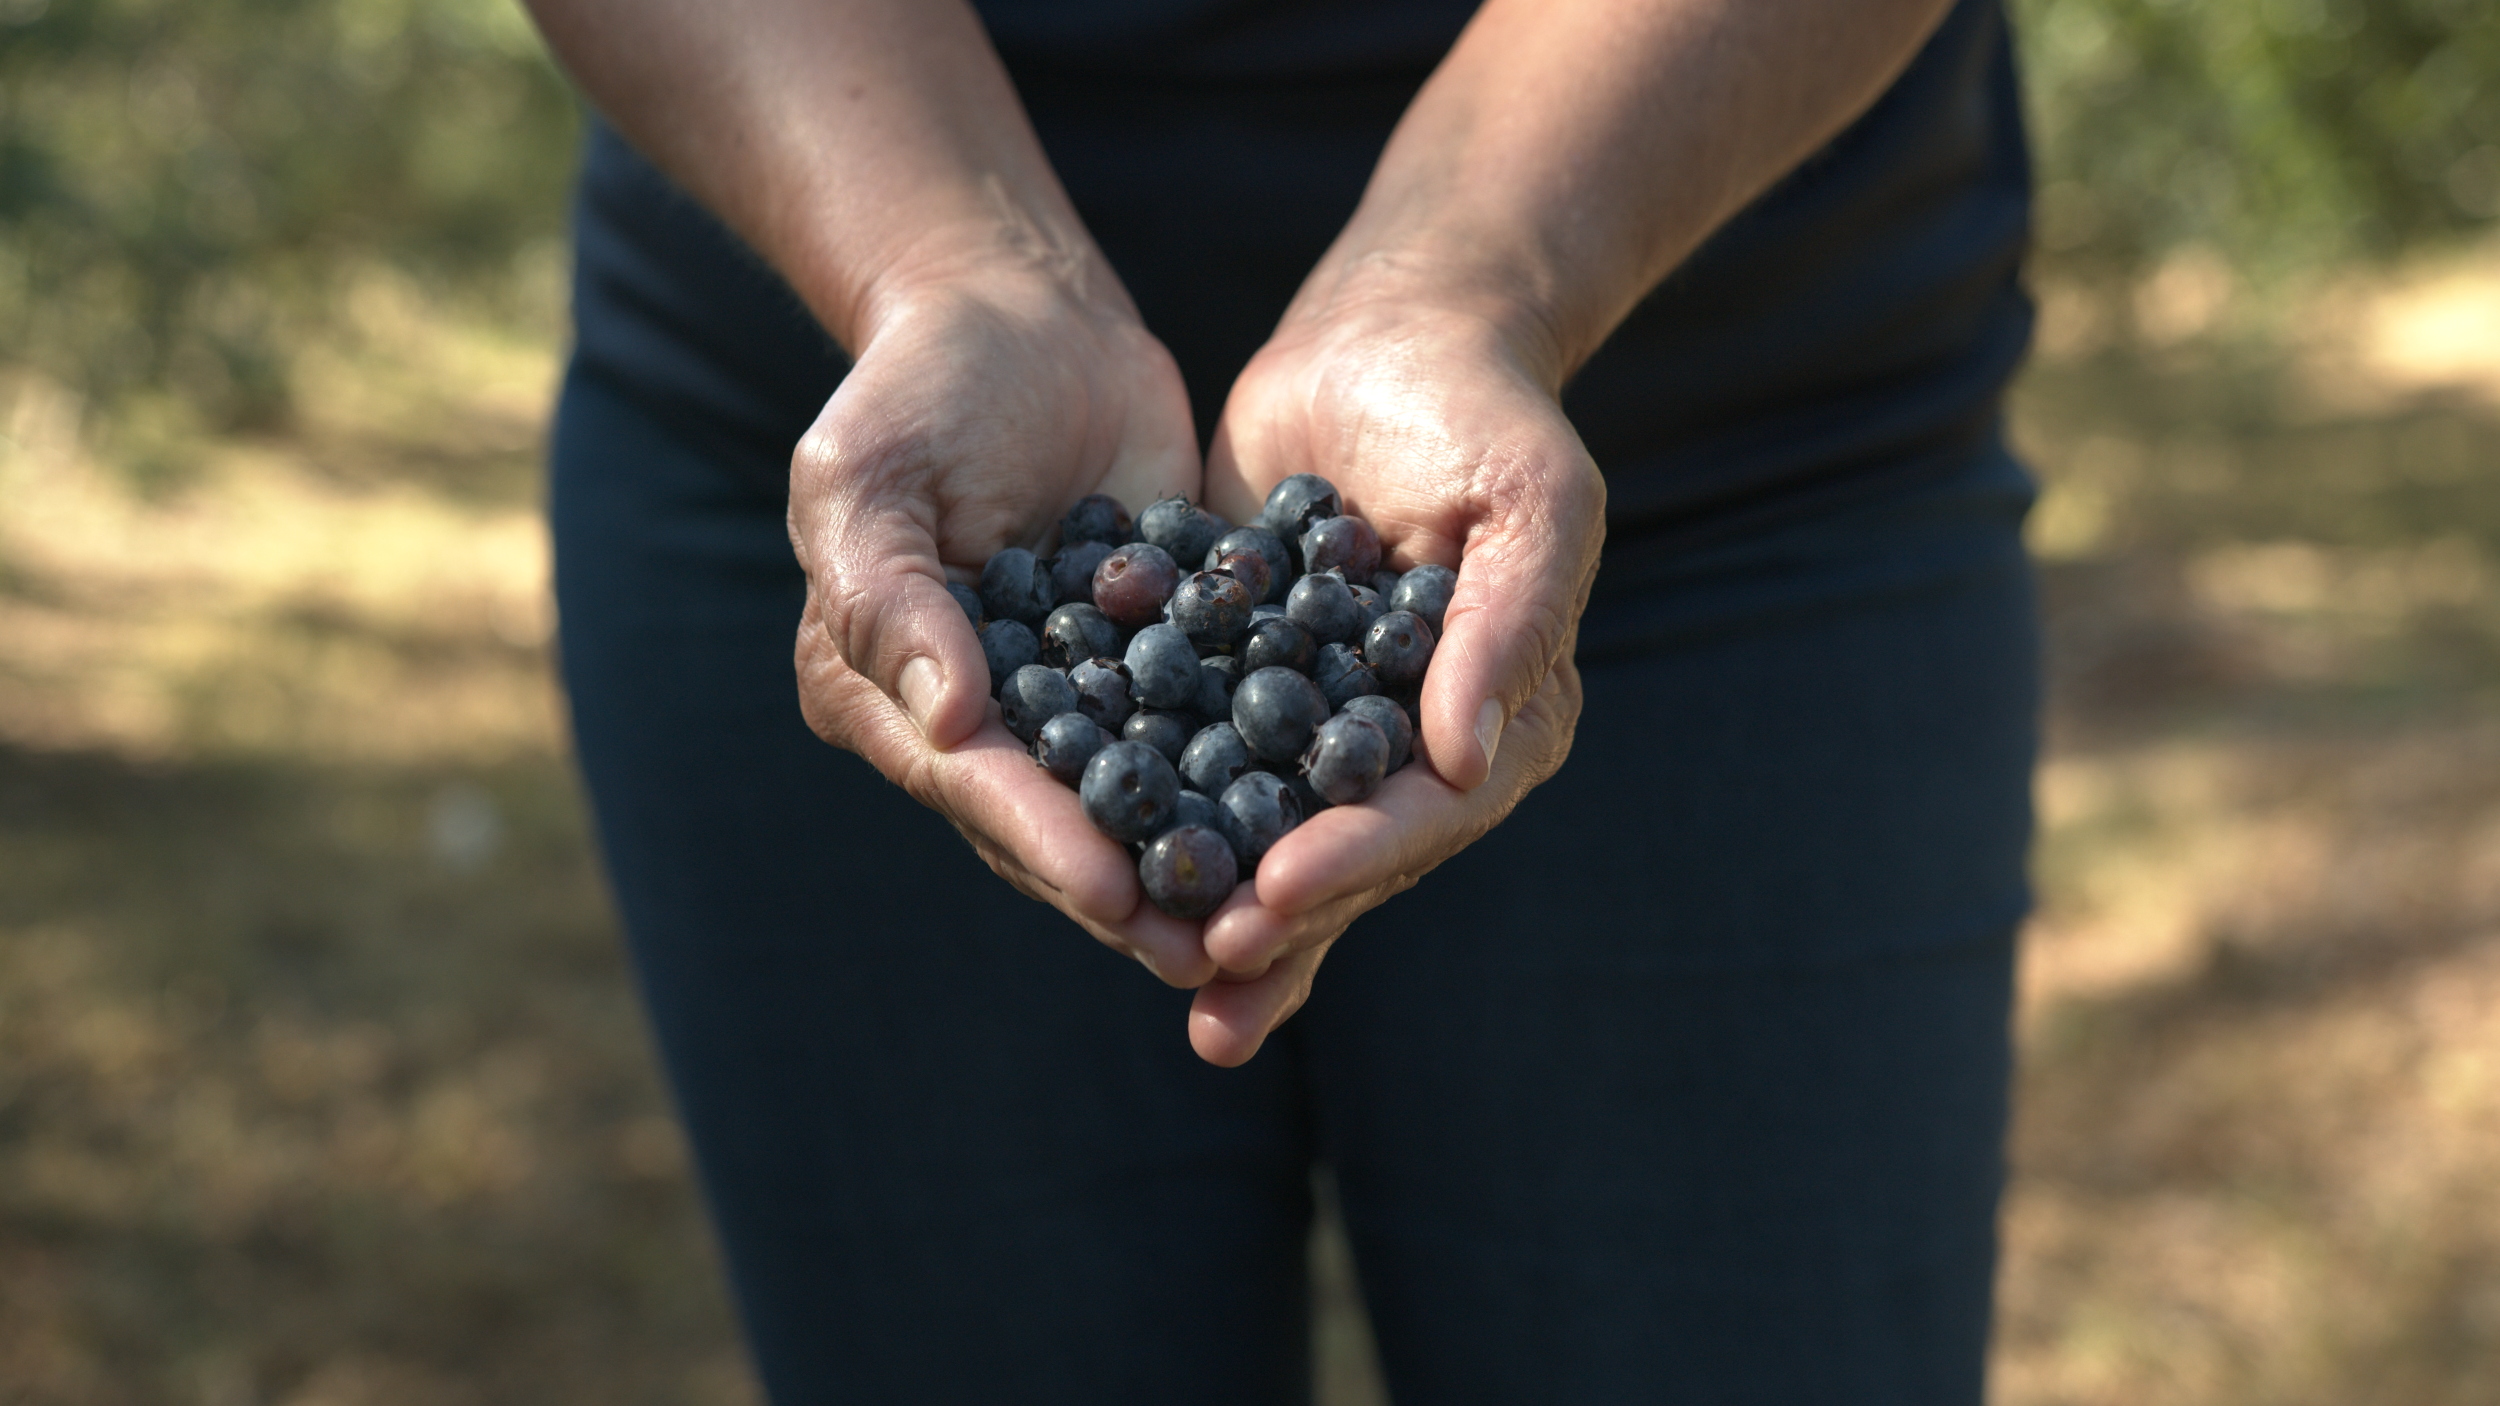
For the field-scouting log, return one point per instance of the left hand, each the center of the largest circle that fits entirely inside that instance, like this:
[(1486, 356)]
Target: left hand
[(1434, 422)]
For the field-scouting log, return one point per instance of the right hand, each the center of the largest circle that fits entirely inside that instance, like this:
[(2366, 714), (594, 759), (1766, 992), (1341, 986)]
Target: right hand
[(979, 407)]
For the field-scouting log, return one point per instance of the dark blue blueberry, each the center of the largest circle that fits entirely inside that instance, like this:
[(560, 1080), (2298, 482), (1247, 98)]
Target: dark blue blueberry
[(1214, 759), (1292, 506), (1267, 612), (969, 599), (1008, 646), (1247, 567), (1076, 633), (1345, 545), (1162, 667), (1181, 528), (1384, 581), (1102, 692), (1197, 808), (1392, 719), (1277, 643), (1368, 606), (1066, 743), (1399, 646), (1426, 590), (1128, 791), (1323, 605), (1270, 548), (1346, 760), (1133, 582), (1072, 572), (1213, 609), (1342, 675), (1218, 676), (1188, 871), (1166, 732), (1015, 587), (1257, 810), (1096, 517), (1276, 710), (1033, 695)]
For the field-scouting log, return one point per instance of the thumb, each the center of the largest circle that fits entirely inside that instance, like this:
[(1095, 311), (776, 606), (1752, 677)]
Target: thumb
[(871, 559), (1523, 578)]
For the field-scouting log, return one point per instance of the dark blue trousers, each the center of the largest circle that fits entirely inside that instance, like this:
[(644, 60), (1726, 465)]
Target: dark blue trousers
[(1687, 1084)]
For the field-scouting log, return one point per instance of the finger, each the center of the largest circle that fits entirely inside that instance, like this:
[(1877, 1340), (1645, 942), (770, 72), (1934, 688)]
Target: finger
[(1530, 557), (868, 541), (1229, 1020)]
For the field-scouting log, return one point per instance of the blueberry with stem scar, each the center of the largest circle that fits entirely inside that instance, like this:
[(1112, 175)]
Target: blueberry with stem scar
[(1102, 692), (1076, 633), (1129, 791), (1132, 584), (1188, 871), (1293, 505), (1399, 646), (1066, 743), (1345, 545), (1346, 759), (1343, 676)]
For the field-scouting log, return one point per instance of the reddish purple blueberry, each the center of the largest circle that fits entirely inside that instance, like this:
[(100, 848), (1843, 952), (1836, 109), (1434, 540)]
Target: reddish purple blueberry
[(1249, 568), (1132, 584), (1188, 871), (1271, 549), (1345, 545)]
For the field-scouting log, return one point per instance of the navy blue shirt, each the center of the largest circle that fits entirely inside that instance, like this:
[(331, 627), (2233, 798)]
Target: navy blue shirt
[(1845, 337)]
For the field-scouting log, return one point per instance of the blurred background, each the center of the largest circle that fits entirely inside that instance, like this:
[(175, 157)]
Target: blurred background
[(320, 1082)]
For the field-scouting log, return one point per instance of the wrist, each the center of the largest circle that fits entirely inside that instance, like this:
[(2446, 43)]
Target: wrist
[(1003, 256), (1509, 305)]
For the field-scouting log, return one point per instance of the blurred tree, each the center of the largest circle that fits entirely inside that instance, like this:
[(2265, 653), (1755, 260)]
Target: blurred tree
[(2285, 134), (181, 178)]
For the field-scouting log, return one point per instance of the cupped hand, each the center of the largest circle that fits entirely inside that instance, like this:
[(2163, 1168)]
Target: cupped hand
[(1440, 423), (974, 415)]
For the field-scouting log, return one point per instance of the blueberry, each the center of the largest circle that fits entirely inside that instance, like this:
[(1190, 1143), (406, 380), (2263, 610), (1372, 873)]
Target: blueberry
[(1212, 609), (1162, 667), (1195, 808), (1426, 590), (1368, 606), (1066, 743), (1072, 572), (1008, 646), (1076, 633), (1345, 545), (1102, 692), (1096, 517), (1133, 582), (1276, 710), (1277, 643), (1214, 759), (1267, 612), (1384, 581), (1015, 587), (1032, 696), (1343, 676), (1247, 567), (1188, 871), (1292, 506), (1166, 732), (1218, 676), (1324, 606), (1257, 810), (1391, 719), (969, 599), (1128, 791), (1346, 759), (1271, 549), (1181, 528), (1399, 646)]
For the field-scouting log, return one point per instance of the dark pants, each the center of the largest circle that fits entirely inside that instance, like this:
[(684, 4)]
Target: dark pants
[(1686, 1084)]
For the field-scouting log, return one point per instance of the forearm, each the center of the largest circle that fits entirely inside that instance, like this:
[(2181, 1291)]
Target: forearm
[(1569, 153), (864, 147)]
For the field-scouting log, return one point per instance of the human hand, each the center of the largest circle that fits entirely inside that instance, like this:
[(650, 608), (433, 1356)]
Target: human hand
[(974, 414), (1439, 422)]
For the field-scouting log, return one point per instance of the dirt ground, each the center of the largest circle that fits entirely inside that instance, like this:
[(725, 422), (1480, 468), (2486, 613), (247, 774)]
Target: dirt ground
[(321, 1084)]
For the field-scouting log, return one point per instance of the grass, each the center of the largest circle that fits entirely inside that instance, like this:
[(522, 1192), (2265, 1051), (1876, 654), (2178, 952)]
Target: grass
[(320, 1079)]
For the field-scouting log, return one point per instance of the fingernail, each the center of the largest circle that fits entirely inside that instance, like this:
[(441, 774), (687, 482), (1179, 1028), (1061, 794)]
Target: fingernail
[(1489, 730), (920, 685)]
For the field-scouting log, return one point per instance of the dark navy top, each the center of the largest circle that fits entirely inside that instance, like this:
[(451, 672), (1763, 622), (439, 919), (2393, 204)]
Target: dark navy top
[(1842, 341)]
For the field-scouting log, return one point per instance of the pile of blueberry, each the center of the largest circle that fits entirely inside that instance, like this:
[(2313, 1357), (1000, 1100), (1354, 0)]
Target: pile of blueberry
[(1202, 714)]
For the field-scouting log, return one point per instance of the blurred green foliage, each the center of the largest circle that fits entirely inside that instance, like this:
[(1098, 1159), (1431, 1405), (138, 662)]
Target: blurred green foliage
[(2285, 134), (182, 182)]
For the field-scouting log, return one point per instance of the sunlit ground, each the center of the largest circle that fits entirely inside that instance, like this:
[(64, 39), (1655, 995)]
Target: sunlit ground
[(320, 1083)]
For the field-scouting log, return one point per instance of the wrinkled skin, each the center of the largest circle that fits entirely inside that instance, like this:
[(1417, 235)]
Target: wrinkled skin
[(895, 491)]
